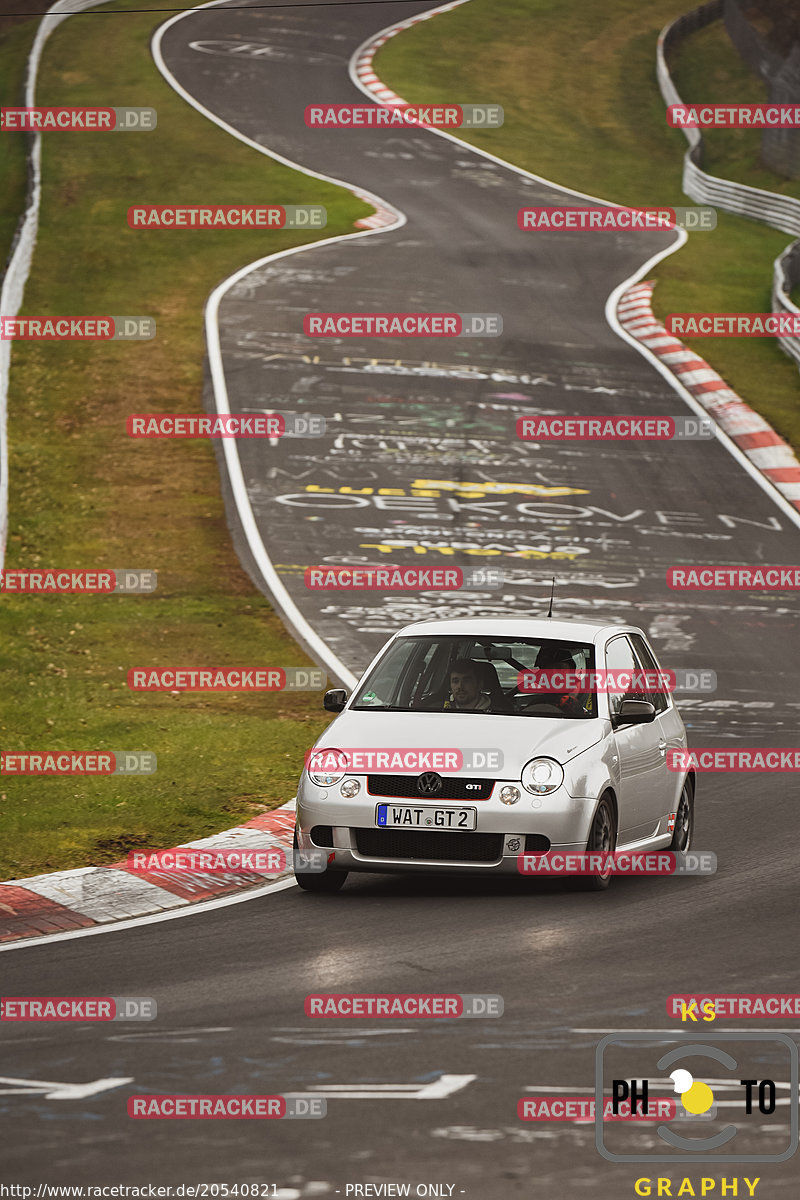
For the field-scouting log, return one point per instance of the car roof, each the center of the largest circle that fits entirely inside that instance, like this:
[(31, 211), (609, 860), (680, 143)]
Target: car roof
[(523, 627)]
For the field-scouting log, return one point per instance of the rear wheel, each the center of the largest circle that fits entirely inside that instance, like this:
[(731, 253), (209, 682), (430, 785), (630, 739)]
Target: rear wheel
[(319, 881), (684, 820), (602, 839)]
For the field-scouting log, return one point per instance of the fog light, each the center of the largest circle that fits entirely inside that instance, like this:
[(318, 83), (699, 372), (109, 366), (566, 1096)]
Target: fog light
[(509, 794), (350, 788)]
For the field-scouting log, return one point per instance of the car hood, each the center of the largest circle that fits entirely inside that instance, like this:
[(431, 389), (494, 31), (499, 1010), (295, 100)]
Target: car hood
[(518, 738)]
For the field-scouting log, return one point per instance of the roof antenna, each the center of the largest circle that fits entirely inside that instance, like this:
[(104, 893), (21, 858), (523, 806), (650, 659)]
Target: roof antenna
[(552, 593)]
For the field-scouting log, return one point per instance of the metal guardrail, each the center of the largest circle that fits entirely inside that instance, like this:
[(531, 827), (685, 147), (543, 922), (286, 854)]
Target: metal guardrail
[(780, 212)]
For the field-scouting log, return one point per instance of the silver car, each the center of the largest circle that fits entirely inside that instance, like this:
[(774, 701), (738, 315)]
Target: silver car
[(448, 758)]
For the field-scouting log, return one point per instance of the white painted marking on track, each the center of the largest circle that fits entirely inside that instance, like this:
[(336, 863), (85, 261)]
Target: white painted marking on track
[(61, 1091)]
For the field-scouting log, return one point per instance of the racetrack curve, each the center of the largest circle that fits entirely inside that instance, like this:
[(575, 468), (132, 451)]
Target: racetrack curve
[(230, 984)]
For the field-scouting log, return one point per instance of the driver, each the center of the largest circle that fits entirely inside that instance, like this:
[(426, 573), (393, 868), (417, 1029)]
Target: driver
[(465, 689), (558, 658)]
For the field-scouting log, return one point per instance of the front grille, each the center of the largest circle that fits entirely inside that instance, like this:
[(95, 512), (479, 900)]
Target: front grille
[(441, 847), (536, 842), (322, 835), (405, 786)]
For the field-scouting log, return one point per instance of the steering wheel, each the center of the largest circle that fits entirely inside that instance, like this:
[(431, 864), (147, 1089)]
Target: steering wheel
[(542, 705)]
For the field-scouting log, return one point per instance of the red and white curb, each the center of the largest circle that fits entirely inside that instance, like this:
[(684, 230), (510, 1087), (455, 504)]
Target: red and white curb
[(364, 73), (754, 436), (89, 896)]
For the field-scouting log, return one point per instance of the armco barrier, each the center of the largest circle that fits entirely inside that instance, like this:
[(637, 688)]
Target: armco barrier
[(780, 212), (19, 263)]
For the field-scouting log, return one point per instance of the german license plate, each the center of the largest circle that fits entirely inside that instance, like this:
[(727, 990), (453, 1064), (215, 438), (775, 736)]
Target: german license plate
[(411, 816)]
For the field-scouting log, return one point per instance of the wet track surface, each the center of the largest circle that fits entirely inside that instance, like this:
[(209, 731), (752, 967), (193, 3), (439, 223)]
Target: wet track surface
[(404, 415)]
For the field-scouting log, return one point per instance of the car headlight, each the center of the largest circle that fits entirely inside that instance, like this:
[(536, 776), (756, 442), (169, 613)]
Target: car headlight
[(326, 768), (542, 776), (350, 788), (509, 794)]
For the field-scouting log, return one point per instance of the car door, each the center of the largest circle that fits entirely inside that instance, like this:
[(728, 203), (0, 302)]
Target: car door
[(673, 732), (641, 751)]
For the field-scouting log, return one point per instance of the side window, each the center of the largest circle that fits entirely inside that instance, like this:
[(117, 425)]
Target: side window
[(659, 699), (620, 657)]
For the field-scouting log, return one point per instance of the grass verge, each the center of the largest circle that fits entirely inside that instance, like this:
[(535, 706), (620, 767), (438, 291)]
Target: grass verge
[(84, 495), (15, 45), (577, 81)]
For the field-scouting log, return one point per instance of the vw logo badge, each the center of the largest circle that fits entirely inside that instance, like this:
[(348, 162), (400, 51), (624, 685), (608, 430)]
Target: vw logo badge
[(429, 784)]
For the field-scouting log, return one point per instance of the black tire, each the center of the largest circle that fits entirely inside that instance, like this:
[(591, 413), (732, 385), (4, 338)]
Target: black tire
[(684, 820), (319, 881), (602, 837)]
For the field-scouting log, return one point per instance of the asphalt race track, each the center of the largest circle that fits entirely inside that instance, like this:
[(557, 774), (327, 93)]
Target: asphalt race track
[(571, 967)]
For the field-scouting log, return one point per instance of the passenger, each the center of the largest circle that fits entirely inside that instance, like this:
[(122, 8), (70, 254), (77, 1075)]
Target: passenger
[(465, 688), (558, 658)]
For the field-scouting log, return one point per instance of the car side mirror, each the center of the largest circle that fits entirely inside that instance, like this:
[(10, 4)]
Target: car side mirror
[(634, 712), (335, 700)]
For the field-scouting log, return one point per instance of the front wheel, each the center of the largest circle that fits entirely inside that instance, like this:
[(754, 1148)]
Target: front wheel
[(319, 881), (602, 840), (684, 820)]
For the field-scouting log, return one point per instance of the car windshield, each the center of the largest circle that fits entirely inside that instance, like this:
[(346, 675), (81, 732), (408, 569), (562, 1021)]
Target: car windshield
[(525, 677)]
